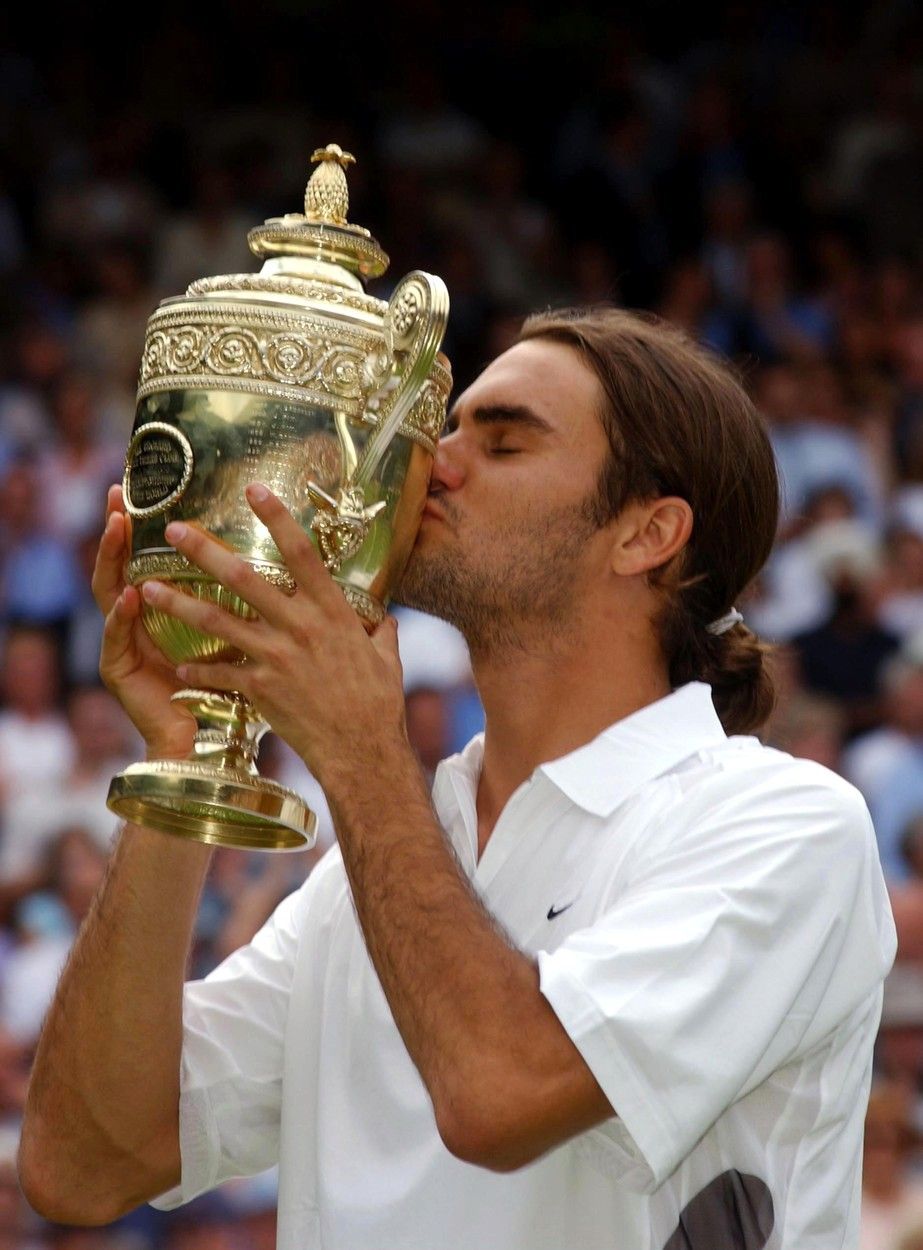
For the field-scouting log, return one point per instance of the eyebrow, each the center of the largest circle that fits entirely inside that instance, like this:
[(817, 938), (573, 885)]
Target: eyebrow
[(502, 414)]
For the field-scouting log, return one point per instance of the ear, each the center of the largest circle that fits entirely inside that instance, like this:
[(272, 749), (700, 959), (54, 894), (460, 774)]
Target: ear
[(650, 534)]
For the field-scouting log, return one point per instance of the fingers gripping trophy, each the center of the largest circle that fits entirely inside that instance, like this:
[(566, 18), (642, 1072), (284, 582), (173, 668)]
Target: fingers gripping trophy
[(297, 378)]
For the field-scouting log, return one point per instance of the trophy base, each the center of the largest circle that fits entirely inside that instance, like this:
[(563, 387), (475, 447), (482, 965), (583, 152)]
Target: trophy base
[(208, 803), (216, 795)]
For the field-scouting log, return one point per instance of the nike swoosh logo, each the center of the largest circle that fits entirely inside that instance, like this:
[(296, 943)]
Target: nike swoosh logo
[(553, 912)]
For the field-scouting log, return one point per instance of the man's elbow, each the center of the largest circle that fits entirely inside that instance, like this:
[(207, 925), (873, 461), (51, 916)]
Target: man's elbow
[(40, 1181), (61, 1192), (488, 1138)]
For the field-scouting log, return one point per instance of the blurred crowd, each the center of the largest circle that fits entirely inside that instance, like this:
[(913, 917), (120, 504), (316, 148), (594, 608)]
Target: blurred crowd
[(752, 174)]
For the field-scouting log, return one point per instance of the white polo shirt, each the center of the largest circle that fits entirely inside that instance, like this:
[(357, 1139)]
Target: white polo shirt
[(712, 930)]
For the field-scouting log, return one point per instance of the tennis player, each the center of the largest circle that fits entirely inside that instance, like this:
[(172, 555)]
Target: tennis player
[(614, 983)]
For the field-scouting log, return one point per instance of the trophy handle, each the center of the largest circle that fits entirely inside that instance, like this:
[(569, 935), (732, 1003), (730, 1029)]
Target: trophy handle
[(415, 323)]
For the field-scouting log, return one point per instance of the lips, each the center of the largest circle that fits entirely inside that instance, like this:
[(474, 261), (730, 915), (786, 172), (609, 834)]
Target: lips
[(432, 509)]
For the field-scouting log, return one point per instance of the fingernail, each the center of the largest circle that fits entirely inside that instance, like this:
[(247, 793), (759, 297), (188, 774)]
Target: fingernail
[(152, 591), (182, 672), (175, 532), (257, 492)]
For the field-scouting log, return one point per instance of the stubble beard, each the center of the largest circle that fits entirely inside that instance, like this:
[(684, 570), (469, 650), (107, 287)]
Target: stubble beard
[(514, 592)]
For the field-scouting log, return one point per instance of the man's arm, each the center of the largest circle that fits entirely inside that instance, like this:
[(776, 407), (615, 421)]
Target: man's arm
[(506, 1081), (100, 1132)]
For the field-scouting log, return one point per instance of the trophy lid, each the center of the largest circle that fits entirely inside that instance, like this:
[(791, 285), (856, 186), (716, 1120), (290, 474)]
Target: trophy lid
[(322, 233)]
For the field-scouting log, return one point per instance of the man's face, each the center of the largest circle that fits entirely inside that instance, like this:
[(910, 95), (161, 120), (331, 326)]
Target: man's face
[(511, 529)]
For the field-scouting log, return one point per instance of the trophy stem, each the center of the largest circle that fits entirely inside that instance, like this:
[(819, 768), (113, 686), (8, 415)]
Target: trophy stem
[(229, 728), (216, 795)]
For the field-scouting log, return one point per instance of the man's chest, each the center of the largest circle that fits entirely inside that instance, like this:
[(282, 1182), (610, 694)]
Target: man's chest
[(549, 868)]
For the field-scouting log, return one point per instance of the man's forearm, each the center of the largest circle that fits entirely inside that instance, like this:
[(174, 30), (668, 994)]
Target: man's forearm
[(466, 1001), (101, 1127)]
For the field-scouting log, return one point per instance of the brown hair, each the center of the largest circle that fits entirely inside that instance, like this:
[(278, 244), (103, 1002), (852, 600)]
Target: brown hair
[(679, 423)]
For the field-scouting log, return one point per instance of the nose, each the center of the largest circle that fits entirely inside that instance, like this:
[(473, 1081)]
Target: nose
[(448, 472)]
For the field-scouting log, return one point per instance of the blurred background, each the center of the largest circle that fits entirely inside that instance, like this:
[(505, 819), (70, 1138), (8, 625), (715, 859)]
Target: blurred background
[(754, 172)]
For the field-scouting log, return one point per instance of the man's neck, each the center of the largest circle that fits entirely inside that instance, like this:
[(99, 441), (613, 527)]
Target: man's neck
[(541, 705)]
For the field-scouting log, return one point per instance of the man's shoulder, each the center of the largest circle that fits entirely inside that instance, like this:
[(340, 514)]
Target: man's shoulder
[(744, 783)]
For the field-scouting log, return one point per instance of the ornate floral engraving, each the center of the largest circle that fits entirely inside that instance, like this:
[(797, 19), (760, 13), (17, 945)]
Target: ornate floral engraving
[(427, 417), (406, 310), (233, 351), (288, 355), (292, 357), (341, 371), (270, 347), (371, 611), (170, 564), (166, 565), (182, 351)]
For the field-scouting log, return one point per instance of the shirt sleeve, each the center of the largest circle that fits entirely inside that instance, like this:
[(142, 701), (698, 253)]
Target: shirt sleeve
[(747, 935), (231, 1078)]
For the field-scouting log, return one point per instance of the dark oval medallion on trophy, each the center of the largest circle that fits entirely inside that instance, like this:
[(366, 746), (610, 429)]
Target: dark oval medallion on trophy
[(157, 469)]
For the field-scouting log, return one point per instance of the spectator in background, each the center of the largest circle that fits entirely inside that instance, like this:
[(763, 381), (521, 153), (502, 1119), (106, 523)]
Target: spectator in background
[(792, 594), (428, 726), (592, 275), (780, 322), (912, 848), (74, 472), (843, 656), (37, 359), (40, 582), (727, 233), (426, 131), (434, 657), (687, 302), (241, 893), (511, 233), (872, 759), (611, 198), (43, 938), (895, 808), (85, 626), (211, 238), (110, 327), (900, 592), (103, 742), (908, 359), (814, 444), (809, 727), (46, 923), (36, 748)]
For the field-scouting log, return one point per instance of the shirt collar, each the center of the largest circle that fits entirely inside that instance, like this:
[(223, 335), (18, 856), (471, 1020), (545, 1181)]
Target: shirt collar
[(603, 773)]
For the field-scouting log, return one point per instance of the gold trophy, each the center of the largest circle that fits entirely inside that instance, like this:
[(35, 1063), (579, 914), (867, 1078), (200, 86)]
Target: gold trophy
[(297, 378)]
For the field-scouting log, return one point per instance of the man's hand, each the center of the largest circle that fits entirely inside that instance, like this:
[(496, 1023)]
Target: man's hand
[(332, 692), (132, 667)]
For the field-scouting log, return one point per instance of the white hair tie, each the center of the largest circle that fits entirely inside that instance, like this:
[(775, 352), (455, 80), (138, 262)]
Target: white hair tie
[(726, 622)]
